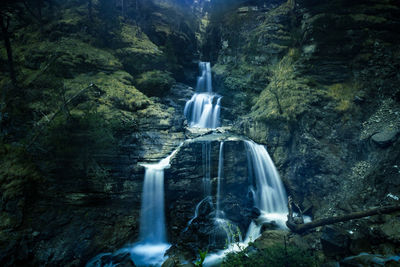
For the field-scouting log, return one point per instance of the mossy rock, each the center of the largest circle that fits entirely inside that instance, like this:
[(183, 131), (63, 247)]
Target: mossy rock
[(137, 53), (118, 89), (155, 83), (72, 56)]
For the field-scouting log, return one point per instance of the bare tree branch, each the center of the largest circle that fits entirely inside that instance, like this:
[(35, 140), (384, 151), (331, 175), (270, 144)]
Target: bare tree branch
[(302, 227)]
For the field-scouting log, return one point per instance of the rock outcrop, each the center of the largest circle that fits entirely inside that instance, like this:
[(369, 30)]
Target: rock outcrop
[(316, 82)]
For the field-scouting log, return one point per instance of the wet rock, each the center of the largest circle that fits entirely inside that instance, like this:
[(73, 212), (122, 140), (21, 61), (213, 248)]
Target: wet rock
[(365, 259), (385, 138), (270, 238), (170, 262), (269, 226), (255, 213), (123, 260), (358, 100), (334, 241)]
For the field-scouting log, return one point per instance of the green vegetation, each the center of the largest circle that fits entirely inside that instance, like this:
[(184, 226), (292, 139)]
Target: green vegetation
[(202, 255), (344, 94), (77, 69), (287, 95), (155, 83), (276, 255)]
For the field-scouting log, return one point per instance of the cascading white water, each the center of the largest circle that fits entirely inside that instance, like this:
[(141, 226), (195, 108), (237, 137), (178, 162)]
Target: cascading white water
[(268, 193), (204, 80), (206, 160), (232, 232), (196, 211), (150, 249), (203, 109), (153, 242), (152, 221), (268, 190), (206, 150), (220, 174)]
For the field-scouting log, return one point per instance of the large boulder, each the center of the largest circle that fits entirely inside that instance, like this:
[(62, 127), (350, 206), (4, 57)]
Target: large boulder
[(385, 138)]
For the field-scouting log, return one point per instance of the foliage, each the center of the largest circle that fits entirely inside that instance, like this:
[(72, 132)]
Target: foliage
[(203, 255), (276, 255), (344, 94)]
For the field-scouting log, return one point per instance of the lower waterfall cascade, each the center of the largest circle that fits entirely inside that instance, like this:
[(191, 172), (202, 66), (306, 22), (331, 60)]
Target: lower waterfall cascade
[(269, 197)]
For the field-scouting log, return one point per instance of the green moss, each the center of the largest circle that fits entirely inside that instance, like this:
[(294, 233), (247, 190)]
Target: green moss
[(155, 83), (286, 96), (136, 41), (275, 255), (137, 52), (74, 139), (344, 94), (71, 56), (118, 90)]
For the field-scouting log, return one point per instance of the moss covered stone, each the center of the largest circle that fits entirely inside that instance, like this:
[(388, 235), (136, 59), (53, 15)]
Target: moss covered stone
[(155, 83)]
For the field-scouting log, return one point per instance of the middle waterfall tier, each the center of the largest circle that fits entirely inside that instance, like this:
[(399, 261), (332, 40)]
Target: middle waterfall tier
[(203, 109)]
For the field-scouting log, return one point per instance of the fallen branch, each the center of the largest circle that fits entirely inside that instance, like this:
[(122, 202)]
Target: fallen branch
[(300, 228)]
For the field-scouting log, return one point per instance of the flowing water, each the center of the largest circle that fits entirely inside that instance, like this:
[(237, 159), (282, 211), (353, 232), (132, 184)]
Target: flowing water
[(218, 212), (203, 109), (151, 248), (206, 156), (268, 193)]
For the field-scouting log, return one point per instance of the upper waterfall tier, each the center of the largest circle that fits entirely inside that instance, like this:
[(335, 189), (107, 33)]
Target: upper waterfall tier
[(204, 83), (203, 109)]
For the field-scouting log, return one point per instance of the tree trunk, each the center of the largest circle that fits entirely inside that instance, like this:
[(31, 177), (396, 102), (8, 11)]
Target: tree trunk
[(300, 228), (4, 29)]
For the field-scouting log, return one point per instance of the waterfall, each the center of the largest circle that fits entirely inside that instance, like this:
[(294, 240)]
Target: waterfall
[(196, 211), (206, 150), (203, 109), (231, 230), (150, 249), (152, 243), (268, 190), (269, 196), (204, 80), (152, 221), (220, 174)]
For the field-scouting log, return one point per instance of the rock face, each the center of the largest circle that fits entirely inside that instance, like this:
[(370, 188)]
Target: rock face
[(326, 112), (75, 191), (104, 211), (191, 185), (316, 81)]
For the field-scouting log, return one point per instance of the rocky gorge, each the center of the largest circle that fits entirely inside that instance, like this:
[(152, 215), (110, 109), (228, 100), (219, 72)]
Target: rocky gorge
[(100, 88)]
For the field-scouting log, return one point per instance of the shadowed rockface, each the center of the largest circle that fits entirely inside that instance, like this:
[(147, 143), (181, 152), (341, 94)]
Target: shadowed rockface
[(315, 81)]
